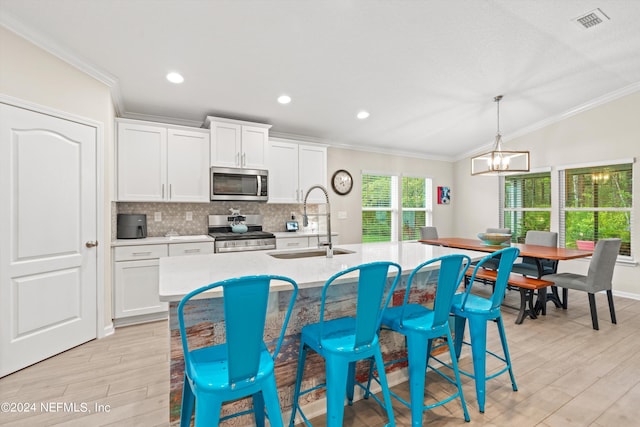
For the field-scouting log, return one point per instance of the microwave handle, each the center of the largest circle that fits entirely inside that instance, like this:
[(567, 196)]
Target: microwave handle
[(259, 185)]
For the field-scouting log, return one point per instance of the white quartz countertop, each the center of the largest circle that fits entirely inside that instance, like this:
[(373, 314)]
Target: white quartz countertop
[(162, 240), (181, 275)]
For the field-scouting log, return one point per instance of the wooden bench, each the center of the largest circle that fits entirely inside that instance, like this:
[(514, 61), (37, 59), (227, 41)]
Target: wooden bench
[(526, 285)]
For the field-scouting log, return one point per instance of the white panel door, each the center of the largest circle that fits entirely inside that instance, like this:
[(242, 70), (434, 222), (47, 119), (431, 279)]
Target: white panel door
[(188, 166), (48, 227)]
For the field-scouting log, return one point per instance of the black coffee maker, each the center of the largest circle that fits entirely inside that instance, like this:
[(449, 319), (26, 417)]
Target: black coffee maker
[(132, 226)]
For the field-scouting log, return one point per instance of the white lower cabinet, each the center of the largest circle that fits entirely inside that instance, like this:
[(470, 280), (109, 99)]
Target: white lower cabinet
[(302, 241), (180, 249), (135, 275), (292, 242)]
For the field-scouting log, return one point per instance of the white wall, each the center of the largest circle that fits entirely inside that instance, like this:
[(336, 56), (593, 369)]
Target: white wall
[(31, 74), (356, 162), (608, 132)]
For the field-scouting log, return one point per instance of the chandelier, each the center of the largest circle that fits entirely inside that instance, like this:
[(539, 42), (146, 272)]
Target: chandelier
[(499, 161)]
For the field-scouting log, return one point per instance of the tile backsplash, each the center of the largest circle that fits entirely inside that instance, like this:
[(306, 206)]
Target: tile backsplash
[(174, 215)]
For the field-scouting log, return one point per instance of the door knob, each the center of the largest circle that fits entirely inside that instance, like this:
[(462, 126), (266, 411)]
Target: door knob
[(91, 244)]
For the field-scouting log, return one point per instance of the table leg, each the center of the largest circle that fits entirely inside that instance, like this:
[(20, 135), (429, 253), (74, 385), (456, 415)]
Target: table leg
[(526, 299), (541, 303)]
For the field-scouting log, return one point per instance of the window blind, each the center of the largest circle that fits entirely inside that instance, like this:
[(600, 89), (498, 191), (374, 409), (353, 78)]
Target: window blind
[(596, 202), (526, 204), (377, 208)]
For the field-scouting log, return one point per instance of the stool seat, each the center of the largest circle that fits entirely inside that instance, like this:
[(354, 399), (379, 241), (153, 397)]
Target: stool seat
[(337, 336), (209, 368), (474, 305)]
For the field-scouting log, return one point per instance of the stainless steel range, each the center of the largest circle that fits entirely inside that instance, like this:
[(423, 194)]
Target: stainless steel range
[(254, 239)]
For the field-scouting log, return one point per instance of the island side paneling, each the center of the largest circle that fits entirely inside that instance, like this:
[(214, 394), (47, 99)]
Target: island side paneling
[(205, 326)]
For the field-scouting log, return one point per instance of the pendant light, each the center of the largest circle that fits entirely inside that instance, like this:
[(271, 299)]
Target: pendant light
[(499, 161)]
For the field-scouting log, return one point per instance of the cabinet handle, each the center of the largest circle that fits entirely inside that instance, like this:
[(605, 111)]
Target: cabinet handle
[(244, 159), (163, 191), (191, 251), (293, 244), (170, 191), (141, 253), (238, 159)]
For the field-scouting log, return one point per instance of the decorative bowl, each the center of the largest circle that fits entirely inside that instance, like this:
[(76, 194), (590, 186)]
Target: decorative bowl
[(493, 239)]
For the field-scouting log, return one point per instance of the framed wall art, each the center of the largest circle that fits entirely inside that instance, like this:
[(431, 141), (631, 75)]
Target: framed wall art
[(444, 195)]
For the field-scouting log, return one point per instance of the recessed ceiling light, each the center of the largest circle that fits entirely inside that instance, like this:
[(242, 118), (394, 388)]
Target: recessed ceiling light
[(284, 99), (363, 115), (174, 77)]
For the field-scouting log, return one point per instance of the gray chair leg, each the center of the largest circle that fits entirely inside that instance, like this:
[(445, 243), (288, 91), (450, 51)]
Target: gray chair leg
[(612, 309), (594, 312)]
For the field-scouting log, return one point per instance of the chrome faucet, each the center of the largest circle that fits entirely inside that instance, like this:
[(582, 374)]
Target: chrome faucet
[(305, 217)]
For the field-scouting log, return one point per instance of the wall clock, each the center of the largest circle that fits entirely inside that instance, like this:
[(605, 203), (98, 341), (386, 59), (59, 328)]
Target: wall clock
[(342, 182)]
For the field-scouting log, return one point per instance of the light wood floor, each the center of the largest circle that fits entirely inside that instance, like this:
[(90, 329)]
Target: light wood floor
[(567, 375)]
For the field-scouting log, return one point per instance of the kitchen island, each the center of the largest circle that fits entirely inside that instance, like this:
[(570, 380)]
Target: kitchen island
[(180, 275)]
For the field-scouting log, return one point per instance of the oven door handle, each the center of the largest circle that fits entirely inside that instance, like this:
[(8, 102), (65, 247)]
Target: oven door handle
[(245, 249)]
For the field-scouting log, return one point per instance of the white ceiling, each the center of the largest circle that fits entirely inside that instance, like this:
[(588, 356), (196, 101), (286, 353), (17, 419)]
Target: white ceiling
[(427, 71)]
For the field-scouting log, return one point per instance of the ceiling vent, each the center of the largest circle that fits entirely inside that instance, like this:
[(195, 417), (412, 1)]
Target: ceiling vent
[(591, 19)]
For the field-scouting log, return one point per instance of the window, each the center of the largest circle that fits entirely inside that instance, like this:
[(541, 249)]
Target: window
[(378, 208), (394, 207), (596, 203), (416, 206), (527, 204)]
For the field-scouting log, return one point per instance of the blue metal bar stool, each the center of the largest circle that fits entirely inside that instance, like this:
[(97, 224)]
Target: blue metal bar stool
[(242, 366), (421, 325), (345, 340), (479, 310)]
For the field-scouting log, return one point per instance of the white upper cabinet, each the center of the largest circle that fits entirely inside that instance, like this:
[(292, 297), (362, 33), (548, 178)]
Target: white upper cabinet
[(294, 168), (188, 165), (238, 144), (142, 156), (226, 144), (312, 170), (158, 162)]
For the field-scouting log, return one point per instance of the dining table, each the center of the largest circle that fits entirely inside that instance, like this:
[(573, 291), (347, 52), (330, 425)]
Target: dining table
[(537, 252), (533, 251)]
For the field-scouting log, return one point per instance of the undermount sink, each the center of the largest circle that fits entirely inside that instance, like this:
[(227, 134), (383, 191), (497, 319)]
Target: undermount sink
[(308, 253)]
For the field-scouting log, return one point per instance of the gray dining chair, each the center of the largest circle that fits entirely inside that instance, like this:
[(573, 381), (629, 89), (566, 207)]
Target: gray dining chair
[(598, 278), (428, 233), (536, 267)]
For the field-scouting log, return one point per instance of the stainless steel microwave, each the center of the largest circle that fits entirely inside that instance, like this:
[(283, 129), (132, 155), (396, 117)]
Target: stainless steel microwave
[(239, 184)]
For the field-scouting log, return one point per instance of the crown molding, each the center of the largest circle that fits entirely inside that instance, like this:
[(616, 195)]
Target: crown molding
[(82, 64), (589, 105), (163, 119), (347, 146)]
